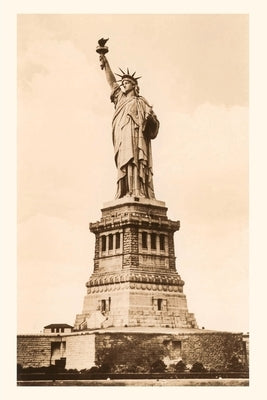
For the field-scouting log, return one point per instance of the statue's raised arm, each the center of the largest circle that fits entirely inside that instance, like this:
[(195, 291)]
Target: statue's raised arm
[(102, 49), (109, 74), (134, 125)]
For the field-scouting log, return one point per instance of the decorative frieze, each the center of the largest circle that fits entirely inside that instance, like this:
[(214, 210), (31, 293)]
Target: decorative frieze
[(98, 279), (133, 285)]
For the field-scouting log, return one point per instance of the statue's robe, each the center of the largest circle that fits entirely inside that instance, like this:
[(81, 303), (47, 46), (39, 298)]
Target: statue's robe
[(134, 125)]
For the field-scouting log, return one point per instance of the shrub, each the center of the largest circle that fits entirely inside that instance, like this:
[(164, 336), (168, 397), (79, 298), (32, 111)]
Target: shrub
[(213, 370), (105, 367), (158, 366), (235, 364), (71, 370), (119, 369), (131, 350), (180, 366), (197, 367), (84, 371), (19, 368), (93, 370), (132, 368)]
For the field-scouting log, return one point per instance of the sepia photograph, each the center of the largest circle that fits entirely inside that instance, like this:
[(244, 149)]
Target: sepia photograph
[(132, 199)]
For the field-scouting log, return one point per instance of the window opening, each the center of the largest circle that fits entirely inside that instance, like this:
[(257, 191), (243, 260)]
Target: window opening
[(110, 242), (159, 301), (153, 241), (104, 243), (144, 240), (103, 305), (162, 242), (118, 240)]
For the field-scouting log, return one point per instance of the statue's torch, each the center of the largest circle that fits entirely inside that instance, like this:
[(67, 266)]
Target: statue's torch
[(102, 49)]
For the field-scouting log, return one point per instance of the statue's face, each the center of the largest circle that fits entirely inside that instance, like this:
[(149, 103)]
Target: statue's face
[(127, 85)]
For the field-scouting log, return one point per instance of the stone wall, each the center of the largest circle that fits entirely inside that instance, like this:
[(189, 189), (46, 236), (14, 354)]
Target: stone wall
[(130, 349), (127, 348), (172, 265), (213, 349), (116, 297), (80, 351), (34, 350), (136, 304), (130, 247)]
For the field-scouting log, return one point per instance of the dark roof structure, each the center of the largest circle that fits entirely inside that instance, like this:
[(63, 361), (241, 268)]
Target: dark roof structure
[(58, 326)]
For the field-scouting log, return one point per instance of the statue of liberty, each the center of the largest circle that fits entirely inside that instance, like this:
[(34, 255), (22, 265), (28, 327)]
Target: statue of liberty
[(134, 125)]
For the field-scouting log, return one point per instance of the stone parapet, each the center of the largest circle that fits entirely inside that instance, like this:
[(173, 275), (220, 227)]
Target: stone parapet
[(133, 218), (130, 212)]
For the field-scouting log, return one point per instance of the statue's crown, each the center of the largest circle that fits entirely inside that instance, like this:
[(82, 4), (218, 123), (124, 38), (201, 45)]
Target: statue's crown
[(128, 75)]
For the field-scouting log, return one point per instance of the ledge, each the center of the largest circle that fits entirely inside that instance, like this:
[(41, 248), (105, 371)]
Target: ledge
[(134, 200), (132, 218)]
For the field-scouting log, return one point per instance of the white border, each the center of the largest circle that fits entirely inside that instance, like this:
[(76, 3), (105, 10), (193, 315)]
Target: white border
[(258, 131)]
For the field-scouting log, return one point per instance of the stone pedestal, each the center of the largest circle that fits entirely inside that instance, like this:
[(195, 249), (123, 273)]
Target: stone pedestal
[(135, 282)]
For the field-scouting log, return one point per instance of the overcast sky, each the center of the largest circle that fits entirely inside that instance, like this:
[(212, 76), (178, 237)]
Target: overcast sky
[(194, 72)]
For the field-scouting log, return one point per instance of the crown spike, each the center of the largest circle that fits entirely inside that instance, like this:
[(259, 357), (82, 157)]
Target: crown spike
[(127, 75)]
